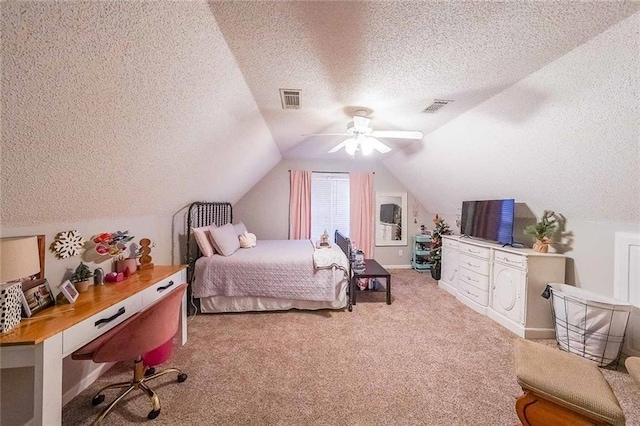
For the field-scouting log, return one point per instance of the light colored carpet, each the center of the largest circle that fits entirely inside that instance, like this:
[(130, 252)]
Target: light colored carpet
[(426, 359)]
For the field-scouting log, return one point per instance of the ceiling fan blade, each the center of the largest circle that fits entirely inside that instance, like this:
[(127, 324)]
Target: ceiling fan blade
[(360, 123), (398, 134), (338, 147), (377, 145)]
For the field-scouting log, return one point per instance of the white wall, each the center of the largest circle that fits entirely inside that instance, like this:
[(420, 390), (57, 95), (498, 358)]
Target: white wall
[(265, 209), (566, 138)]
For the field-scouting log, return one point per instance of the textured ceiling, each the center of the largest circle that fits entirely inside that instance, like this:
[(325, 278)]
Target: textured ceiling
[(394, 58), (118, 109)]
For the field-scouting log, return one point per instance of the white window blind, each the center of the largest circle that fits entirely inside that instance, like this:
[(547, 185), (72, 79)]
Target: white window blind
[(329, 204)]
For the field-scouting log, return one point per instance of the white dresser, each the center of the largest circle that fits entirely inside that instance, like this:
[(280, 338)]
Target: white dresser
[(503, 283)]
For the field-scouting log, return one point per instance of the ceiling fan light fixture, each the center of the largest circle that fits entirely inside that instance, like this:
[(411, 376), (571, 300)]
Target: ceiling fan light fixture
[(366, 145), (351, 146)]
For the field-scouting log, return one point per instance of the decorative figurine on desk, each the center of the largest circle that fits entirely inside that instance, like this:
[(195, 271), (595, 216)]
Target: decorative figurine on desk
[(145, 249), (324, 239), (98, 276), (114, 277)]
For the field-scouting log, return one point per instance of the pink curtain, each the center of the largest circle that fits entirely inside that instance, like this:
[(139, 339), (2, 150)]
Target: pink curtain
[(362, 211), (300, 205)]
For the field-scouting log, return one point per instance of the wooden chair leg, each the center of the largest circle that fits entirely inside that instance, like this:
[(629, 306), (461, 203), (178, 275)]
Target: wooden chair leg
[(534, 410)]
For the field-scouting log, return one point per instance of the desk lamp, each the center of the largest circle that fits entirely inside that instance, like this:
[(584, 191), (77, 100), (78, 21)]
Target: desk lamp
[(19, 259)]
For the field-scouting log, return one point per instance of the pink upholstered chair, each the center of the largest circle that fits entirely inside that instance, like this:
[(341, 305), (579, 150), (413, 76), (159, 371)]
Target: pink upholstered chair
[(146, 335)]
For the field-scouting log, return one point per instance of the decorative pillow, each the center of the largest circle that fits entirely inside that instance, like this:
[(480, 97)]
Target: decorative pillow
[(240, 228), (225, 239), (202, 236), (248, 240)]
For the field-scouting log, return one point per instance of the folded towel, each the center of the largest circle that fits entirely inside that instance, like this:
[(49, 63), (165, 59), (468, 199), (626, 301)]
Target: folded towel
[(247, 240), (328, 257)]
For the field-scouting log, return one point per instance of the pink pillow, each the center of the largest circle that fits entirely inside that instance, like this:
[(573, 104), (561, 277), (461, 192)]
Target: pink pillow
[(203, 238)]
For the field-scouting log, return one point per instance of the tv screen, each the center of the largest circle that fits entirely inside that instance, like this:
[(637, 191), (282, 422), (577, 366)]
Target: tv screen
[(489, 220)]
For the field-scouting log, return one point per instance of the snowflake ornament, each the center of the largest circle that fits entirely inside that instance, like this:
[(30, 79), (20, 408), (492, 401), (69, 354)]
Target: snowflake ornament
[(67, 244)]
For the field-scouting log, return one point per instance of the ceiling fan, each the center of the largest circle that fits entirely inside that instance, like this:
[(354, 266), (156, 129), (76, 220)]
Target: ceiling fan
[(363, 138)]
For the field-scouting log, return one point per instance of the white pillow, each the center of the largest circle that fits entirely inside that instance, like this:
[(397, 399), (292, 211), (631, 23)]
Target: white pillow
[(225, 240), (202, 236), (240, 228)]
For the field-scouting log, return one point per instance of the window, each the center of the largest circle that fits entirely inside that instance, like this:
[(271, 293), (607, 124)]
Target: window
[(329, 204)]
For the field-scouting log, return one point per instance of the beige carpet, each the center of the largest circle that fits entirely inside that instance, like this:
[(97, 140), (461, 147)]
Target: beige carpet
[(426, 359)]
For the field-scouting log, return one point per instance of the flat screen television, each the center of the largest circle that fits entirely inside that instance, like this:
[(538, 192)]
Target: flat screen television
[(490, 220)]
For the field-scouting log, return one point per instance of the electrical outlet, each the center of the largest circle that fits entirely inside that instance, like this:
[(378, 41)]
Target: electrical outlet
[(400, 252)]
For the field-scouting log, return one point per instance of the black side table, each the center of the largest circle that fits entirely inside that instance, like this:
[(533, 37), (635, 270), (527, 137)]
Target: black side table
[(372, 270)]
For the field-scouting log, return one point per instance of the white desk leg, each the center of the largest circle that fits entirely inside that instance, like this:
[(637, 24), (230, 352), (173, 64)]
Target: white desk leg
[(47, 395), (183, 320)]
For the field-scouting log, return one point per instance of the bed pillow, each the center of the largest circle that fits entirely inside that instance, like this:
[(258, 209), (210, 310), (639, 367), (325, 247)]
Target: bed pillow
[(240, 228), (202, 238), (225, 239), (247, 240)]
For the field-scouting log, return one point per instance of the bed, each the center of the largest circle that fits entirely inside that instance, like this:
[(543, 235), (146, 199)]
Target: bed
[(273, 275)]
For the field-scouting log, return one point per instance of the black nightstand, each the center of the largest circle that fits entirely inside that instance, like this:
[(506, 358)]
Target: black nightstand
[(372, 270)]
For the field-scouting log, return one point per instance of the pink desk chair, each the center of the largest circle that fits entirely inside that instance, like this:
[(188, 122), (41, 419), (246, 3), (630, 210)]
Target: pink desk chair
[(146, 337)]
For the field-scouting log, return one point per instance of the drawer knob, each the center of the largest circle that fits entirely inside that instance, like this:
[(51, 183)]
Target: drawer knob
[(121, 311), (163, 288)]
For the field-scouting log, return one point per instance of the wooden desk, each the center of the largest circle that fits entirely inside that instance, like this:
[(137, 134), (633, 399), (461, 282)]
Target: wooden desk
[(43, 340), (372, 270)]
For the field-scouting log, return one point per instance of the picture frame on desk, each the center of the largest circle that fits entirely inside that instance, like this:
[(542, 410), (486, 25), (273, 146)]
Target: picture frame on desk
[(69, 291), (36, 296)]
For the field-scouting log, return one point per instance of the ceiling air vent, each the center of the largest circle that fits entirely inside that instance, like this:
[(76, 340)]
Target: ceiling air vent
[(436, 106), (290, 98)]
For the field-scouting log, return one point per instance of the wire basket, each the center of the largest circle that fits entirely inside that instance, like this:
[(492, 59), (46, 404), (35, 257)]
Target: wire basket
[(588, 324)]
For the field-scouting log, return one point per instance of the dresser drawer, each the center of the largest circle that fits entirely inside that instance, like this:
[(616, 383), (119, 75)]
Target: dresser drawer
[(161, 288), (474, 279), (483, 252), (481, 297), (87, 330), (510, 259), (446, 242), (474, 264)]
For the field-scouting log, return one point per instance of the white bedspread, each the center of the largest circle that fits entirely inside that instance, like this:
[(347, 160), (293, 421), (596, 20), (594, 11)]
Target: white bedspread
[(273, 268)]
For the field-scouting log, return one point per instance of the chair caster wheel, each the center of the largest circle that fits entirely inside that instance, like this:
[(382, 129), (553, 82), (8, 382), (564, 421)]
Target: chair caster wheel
[(149, 371), (182, 377), (97, 400), (153, 414)]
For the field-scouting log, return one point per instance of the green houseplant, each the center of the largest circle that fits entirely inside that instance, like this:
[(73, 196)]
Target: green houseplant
[(435, 254), (80, 277), (543, 231)]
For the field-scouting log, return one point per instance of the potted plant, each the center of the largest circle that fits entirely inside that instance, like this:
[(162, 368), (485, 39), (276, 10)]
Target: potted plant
[(435, 254), (543, 231), (80, 277)]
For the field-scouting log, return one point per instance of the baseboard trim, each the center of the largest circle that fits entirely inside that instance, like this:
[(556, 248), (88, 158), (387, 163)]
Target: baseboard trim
[(448, 288), (520, 330), (85, 382), (470, 303), (396, 266)]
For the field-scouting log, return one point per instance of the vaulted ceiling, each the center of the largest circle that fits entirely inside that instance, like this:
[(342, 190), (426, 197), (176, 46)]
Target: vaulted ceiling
[(137, 108), (394, 58)]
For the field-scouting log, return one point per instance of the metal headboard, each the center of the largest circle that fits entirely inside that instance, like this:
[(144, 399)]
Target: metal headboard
[(203, 213), (345, 245)]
